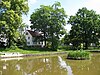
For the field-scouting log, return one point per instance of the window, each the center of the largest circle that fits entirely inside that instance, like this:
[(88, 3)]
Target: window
[(28, 42), (26, 33), (28, 37)]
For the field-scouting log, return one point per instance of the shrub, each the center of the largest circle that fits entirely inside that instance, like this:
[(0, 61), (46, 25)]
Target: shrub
[(78, 55)]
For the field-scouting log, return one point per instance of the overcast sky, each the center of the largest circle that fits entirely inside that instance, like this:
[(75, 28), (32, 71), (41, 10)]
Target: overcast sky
[(71, 7)]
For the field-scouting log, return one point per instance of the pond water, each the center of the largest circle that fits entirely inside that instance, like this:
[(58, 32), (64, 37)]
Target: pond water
[(50, 65)]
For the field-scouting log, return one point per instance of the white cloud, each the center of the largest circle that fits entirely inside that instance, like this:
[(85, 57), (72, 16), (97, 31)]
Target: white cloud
[(93, 4), (27, 18), (32, 2), (26, 21)]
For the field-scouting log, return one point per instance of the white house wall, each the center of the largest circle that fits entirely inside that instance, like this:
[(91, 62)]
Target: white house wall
[(29, 41)]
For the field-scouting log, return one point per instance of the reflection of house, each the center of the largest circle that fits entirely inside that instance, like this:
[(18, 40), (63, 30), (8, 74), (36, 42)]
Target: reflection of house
[(34, 38)]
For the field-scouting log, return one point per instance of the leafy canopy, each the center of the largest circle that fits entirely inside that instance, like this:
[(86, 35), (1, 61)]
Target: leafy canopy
[(51, 21), (11, 17), (85, 26)]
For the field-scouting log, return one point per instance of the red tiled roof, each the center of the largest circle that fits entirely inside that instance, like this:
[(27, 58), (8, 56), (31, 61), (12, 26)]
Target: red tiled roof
[(34, 33)]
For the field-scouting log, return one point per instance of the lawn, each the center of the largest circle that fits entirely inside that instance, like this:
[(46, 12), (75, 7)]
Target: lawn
[(31, 51)]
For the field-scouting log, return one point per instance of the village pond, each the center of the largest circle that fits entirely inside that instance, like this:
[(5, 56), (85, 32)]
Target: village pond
[(50, 65)]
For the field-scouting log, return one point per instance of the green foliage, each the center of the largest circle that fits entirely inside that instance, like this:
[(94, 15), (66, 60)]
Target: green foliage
[(27, 50), (11, 18), (66, 39), (64, 48), (85, 27), (19, 6), (78, 55), (51, 21), (13, 47)]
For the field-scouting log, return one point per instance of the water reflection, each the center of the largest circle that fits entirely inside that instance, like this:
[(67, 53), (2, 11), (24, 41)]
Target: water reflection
[(32, 66), (6, 59), (64, 65), (51, 66), (45, 60), (86, 67), (4, 66), (17, 67)]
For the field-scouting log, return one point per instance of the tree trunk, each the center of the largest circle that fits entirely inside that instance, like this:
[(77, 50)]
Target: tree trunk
[(44, 39), (52, 42), (86, 45), (9, 40)]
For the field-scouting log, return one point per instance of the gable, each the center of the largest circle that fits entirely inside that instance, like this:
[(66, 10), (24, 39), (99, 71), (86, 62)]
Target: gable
[(34, 33)]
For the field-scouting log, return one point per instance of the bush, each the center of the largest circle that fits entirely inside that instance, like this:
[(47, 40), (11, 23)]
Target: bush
[(78, 55)]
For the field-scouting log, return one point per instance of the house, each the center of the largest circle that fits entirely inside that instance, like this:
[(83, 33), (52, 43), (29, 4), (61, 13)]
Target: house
[(34, 38), (3, 40)]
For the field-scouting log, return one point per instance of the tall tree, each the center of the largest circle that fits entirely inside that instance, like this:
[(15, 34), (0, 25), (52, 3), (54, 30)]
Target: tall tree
[(39, 20), (57, 23), (50, 20), (85, 26), (11, 16)]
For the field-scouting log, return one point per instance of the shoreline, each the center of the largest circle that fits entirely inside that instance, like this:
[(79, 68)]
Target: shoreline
[(29, 55), (4, 54)]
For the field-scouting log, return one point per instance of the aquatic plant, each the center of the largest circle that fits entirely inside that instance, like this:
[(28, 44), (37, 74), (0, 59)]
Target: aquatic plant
[(79, 55)]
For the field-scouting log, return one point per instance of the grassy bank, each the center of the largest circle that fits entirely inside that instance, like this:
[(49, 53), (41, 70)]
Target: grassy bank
[(31, 51), (48, 51), (23, 51)]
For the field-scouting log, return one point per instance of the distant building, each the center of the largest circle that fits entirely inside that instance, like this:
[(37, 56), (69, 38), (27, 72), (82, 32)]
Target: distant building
[(3, 40), (34, 38)]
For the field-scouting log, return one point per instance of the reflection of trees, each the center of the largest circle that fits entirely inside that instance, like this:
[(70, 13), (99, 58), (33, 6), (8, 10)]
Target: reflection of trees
[(9, 68), (86, 67), (48, 66), (44, 66)]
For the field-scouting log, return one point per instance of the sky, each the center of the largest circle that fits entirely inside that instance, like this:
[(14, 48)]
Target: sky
[(70, 6)]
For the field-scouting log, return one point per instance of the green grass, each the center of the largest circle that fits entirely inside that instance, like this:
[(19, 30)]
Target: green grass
[(22, 51), (30, 51), (78, 55)]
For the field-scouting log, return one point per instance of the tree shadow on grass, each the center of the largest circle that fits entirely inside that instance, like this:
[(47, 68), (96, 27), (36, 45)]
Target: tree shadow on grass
[(3, 49), (36, 49), (22, 49)]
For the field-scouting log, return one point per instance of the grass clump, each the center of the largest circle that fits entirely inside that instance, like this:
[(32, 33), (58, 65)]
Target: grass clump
[(78, 55)]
